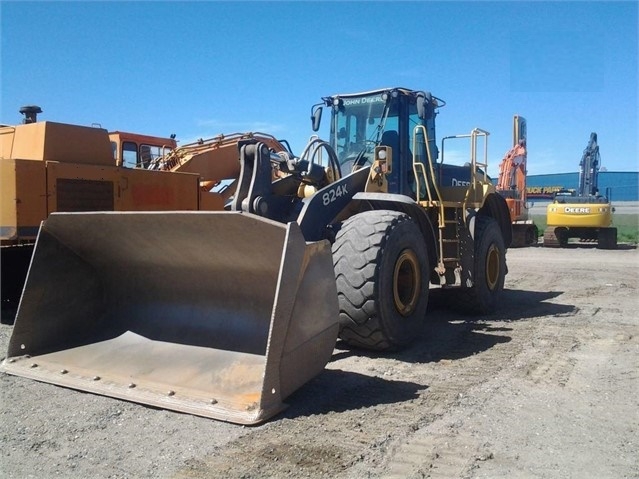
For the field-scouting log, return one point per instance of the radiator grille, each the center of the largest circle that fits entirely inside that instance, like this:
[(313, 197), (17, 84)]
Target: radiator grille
[(84, 195)]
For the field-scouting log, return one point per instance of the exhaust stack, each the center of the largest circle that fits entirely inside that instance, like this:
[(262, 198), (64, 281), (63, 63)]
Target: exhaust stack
[(30, 113)]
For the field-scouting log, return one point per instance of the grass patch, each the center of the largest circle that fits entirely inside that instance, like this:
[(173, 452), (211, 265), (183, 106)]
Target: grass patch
[(627, 226)]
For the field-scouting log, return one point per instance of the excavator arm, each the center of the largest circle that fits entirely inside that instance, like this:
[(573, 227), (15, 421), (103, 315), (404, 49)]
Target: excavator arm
[(512, 173), (511, 184), (216, 161), (589, 168)]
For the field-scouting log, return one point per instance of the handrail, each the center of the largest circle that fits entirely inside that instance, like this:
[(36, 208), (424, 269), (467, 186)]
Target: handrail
[(477, 132), (418, 165), (474, 135), (420, 171)]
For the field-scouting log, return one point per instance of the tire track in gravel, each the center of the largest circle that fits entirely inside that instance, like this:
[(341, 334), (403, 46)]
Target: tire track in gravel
[(387, 408), (378, 416), (539, 352), (430, 452)]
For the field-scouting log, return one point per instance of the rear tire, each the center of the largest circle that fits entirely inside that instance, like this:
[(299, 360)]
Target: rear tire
[(381, 271), (489, 269)]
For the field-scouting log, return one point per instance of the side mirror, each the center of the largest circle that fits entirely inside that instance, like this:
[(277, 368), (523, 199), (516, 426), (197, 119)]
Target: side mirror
[(425, 108), (316, 116)]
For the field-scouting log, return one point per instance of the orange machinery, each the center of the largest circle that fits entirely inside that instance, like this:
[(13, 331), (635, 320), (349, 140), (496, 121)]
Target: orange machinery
[(47, 167), (511, 184)]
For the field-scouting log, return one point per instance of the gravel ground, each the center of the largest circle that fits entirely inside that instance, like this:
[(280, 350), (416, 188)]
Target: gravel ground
[(545, 388)]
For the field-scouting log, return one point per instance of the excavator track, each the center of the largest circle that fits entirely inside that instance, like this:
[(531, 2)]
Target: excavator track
[(551, 239), (524, 235)]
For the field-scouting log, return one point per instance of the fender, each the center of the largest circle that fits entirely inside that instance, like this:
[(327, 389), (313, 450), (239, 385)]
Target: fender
[(495, 206), (405, 204), (323, 207)]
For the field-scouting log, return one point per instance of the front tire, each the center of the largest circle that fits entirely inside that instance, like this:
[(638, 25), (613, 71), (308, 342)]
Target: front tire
[(381, 271)]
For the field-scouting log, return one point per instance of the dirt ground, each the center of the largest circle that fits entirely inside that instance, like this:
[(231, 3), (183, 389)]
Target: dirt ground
[(546, 388)]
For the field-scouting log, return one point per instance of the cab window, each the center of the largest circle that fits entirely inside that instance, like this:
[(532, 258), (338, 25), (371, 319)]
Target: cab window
[(129, 154), (134, 156)]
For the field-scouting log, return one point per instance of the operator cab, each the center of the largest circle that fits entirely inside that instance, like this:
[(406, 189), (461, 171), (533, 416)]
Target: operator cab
[(133, 150), (360, 122)]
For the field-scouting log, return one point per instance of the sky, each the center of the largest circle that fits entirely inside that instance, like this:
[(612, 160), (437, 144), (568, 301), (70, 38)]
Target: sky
[(198, 69)]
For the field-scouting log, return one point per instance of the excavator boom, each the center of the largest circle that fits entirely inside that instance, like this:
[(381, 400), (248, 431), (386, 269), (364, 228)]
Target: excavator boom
[(511, 184)]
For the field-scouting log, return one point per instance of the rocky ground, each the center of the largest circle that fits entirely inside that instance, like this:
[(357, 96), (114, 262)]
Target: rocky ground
[(545, 388)]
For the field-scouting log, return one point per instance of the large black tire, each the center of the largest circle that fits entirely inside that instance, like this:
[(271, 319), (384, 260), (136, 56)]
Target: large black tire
[(382, 271), (489, 269)]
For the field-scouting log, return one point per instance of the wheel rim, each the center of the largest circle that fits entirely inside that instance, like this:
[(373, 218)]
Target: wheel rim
[(406, 282), (493, 263)]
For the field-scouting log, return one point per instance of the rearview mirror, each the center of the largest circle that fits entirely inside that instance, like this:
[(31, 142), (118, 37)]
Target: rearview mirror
[(425, 108), (316, 116)]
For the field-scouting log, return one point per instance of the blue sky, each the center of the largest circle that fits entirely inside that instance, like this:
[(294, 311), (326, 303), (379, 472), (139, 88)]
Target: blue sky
[(198, 69)]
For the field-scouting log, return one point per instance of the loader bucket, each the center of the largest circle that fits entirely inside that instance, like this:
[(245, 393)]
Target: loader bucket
[(217, 314)]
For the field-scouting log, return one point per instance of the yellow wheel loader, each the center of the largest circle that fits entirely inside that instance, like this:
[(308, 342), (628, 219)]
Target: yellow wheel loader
[(224, 314)]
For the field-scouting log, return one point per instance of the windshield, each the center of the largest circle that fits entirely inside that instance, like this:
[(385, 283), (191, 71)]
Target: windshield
[(358, 125)]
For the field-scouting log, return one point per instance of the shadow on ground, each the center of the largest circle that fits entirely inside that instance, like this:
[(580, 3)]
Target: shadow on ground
[(336, 390)]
